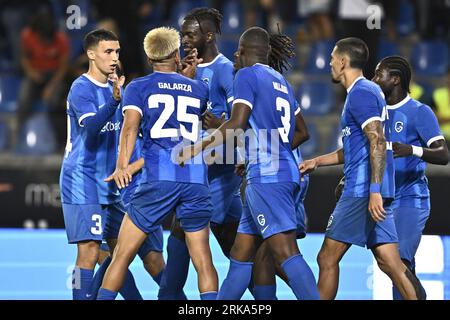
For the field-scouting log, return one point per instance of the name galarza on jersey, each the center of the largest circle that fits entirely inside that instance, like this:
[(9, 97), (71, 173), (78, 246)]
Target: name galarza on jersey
[(175, 86)]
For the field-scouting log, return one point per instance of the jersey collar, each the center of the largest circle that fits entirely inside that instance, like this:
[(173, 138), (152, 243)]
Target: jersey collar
[(354, 82), (97, 83), (399, 104), (202, 65)]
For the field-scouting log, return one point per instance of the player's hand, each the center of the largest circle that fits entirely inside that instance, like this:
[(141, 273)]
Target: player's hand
[(210, 121), (401, 149), (117, 85), (189, 64), (376, 207), (307, 166), (187, 153), (122, 177), (239, 170)]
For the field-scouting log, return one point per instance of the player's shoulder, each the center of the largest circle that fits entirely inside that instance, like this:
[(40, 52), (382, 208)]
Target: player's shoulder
[(139, 81), (366, 87), (420, 108), (224, 63), (81, 86), (245, 72)]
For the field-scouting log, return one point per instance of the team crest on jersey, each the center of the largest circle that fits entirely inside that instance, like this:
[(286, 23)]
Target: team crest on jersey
[(205, 80), (261, 219), (398, 126)]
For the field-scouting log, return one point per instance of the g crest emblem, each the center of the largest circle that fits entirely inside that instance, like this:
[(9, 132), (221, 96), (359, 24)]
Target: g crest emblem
[(398, 126)]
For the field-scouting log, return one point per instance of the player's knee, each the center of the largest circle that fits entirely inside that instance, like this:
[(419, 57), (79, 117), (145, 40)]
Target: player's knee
[(326, 260), (385, 265), (88, 254), (154, 262)]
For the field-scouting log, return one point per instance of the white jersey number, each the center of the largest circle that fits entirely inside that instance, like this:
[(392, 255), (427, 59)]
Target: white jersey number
[(283, 105), (183, 102)]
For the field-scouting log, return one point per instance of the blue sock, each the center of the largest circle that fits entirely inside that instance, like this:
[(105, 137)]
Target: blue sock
[(267, 292), (396, 294), (301, 279), (81, 283), (237, 280), (105, 294), (158, 277), (98, 277), (129, 291), (175, 274), (211, 295)]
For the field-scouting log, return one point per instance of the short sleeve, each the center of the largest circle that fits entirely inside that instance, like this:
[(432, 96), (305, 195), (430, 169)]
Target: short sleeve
[(226, 82), (82, 102), (132, 99), (364, 107), (243, 87), (296, 107), (427, 125)]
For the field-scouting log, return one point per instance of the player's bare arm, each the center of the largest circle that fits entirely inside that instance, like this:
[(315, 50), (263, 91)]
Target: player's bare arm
[(437, 153), (301, 133), (377, 142), (329, 159), (238, 120)]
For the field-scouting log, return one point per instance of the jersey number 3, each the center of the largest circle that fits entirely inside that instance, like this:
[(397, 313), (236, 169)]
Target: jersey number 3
[(183, 102), (284, 106)]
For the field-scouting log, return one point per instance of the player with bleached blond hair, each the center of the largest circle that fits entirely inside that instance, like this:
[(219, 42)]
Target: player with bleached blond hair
[(168, 107)]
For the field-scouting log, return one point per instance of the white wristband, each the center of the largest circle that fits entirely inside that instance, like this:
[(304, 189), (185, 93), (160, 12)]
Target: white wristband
[(417, 151)]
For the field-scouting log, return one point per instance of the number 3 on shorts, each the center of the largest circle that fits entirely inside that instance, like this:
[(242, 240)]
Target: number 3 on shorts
[(97, 229)]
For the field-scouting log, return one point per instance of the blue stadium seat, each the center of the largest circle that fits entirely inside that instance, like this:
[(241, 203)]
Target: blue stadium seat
[(310, 147), (319, 57), (4, 135), (406, 18), (316, 98), (37, 136), (430, 58), (181, 8), (228, 48), (9, 92), (387, 48), (233, 18), (334, 140)]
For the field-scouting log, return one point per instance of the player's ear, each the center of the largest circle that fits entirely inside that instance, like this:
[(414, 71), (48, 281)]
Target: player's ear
[(396, 80), (91, 54), (210, 37)]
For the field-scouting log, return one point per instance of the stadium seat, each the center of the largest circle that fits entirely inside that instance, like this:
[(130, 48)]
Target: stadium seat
[(430, 58), (228, 48), (4, 135), (37, 136), (334, 140), (181, 8), (319, 57), (316, 98), (310, 147), (233, 19), (9, 92), (406, 18), (387, 48)]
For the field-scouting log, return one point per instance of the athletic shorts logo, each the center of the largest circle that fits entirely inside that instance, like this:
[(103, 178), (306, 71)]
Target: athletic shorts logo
[(330, 221), (261, 219), (398, 126)]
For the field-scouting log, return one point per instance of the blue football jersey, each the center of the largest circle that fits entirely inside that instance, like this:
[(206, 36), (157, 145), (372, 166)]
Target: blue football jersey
[(170, 105), (269, 157), (218, 75), (364, 104), (89, 160), (415, 124)]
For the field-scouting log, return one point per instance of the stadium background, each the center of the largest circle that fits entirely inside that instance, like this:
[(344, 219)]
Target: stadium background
[(34, 254)]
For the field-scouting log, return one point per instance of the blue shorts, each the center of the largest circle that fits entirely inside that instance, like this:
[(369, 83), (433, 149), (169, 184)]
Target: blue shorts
[(153, 201), (86, 222), (225, 196), (271, 209), (352, 223), (300, 208), (153, 242), (409, 223)]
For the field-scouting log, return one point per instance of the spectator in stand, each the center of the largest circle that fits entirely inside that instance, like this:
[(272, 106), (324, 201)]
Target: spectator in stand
[(44, 59)]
